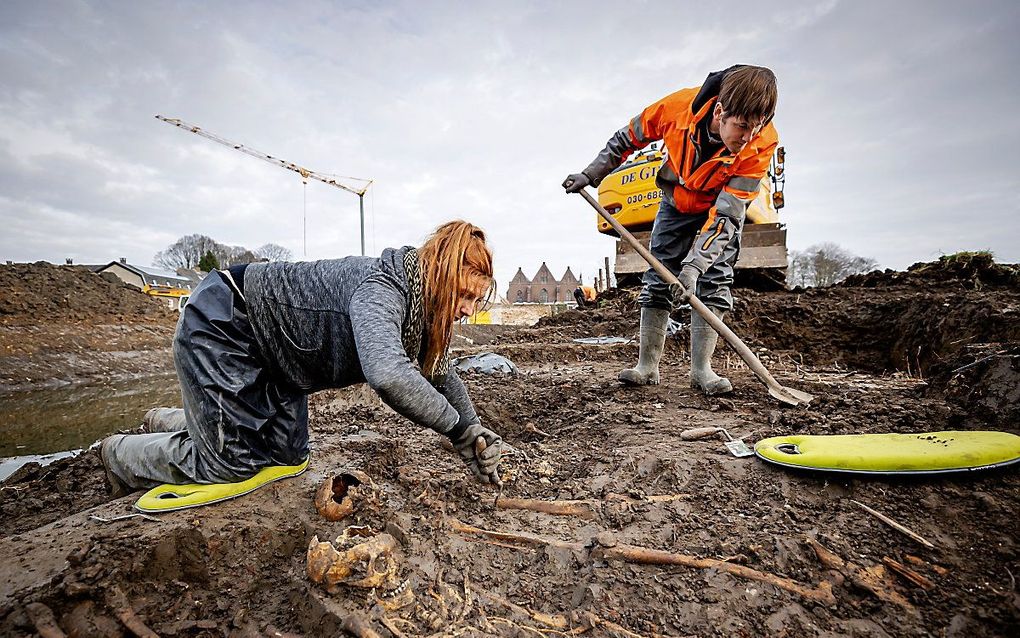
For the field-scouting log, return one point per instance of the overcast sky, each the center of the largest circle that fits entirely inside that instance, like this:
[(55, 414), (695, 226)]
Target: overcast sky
[(901, 120)]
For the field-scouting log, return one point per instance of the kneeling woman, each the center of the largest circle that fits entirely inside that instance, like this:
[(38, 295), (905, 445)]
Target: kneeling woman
[(255, 340)]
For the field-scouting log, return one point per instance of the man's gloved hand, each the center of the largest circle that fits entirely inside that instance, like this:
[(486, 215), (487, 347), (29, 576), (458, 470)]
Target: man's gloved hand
[(484, 464), (575, 183), (688, 278)]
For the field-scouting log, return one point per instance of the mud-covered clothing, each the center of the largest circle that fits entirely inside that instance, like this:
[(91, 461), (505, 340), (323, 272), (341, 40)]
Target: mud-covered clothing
[(697, 178), (334, 323), (672, 237), (237, 417), (247, 363)]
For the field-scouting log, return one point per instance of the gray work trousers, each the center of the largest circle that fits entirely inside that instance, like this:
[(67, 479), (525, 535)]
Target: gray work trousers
[(673, 235), (236, 417)]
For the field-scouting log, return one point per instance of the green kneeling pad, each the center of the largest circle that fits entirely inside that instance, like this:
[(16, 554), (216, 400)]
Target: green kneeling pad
[(923, 453), (167, 498)]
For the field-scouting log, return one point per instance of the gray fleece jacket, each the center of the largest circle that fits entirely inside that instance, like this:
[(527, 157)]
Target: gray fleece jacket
[(334, 323)]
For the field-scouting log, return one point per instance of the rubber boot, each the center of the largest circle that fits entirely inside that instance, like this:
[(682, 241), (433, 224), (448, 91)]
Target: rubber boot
[(703, 341), (653, 340)]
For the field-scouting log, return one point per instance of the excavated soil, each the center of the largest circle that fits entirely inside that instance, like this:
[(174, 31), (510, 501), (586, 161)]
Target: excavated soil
[(66, 324), (931, 349)]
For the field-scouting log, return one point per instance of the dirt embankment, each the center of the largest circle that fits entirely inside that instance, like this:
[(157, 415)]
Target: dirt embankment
[(66, 324), (239, 568)]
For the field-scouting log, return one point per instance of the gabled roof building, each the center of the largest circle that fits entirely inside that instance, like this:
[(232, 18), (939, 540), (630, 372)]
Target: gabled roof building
[(543, 287)]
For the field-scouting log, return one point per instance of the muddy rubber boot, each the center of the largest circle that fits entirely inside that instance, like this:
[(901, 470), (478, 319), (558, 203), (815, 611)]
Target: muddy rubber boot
[(117, 487), (703, 341), (653, 340)]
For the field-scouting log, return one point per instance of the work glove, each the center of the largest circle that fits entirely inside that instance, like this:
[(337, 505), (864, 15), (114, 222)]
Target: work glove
[(483, 463), (575, 183), (688, 278)]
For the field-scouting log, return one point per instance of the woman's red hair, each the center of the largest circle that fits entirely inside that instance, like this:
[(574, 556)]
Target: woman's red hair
[(455, 262)]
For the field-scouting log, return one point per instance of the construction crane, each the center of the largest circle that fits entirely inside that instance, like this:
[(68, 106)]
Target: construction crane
[(290, 166)]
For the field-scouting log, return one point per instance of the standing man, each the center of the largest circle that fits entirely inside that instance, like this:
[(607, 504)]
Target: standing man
[(719, 143)]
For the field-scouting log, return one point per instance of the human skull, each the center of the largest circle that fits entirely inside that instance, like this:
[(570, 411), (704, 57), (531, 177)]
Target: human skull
[(344, 494), (370, 564)]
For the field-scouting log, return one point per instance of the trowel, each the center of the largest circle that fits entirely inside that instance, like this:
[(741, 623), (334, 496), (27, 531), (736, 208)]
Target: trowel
[(737, 447)]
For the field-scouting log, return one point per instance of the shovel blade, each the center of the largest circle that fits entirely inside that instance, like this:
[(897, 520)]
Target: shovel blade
[(790, 396), (739, 449)]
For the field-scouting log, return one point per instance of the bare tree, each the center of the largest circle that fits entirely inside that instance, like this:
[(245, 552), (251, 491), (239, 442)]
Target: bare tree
[(186, 252), (273, 252), (189, 250), (233, 255), (824, 265)]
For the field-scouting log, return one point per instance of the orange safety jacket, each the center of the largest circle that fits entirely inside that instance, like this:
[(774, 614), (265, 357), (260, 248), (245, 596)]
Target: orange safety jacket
[(722, 185)]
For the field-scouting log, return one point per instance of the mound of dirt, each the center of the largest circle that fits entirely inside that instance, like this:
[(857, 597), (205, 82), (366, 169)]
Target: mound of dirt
[(970, 270), (914, 322), (44, 291)]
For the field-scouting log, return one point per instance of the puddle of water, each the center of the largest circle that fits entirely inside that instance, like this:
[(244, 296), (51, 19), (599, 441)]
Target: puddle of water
[(13, 464), (56, 420)]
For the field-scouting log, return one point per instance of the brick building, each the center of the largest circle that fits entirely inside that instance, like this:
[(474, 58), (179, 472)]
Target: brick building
[(542, 288)]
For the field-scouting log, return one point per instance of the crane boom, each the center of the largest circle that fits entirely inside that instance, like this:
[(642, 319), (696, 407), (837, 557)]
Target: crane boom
[(276, 161)]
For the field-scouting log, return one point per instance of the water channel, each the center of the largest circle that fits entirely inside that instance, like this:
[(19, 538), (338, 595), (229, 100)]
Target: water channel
[(42, 425)]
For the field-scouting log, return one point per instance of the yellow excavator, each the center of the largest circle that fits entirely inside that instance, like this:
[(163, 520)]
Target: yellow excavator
[(629, 193)]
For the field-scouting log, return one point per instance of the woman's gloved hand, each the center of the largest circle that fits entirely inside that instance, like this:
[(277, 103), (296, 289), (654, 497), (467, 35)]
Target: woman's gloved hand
[(481, 449)]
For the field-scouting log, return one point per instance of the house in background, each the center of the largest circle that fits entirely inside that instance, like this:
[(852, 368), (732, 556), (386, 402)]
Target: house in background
[(543, 287), (152, 281)]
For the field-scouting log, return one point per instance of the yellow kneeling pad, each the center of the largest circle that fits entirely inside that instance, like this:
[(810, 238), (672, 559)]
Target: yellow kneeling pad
[(167, 498), (924, 453)]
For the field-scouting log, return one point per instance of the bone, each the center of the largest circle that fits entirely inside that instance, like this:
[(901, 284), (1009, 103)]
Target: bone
[(870, 579), (342, 495), (121, 606), (359, 627), (908, 574), (646, 556), (580, 509), (42, 617)]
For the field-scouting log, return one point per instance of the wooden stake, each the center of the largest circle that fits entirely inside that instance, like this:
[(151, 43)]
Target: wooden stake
[(893, 524)]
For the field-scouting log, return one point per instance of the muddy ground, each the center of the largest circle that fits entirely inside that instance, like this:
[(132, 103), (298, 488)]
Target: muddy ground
[(931, 349), (65, 324)]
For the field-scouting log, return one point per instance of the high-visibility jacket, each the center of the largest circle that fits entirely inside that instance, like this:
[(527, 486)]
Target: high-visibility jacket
[(722, 185)]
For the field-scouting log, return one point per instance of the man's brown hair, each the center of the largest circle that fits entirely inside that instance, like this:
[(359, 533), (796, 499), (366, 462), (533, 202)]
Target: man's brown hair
[(749, 92)]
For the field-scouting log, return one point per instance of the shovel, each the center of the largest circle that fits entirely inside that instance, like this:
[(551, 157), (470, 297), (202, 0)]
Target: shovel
[(780, 392)]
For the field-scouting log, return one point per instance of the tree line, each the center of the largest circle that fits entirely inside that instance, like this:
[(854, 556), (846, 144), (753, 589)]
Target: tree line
[(825, 264), (205, 253)]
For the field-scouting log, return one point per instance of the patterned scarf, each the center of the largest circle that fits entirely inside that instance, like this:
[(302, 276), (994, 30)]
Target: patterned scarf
[(413, 330)]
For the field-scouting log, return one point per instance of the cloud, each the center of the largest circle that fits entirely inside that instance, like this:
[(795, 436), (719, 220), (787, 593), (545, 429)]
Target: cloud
[(897, 120)]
